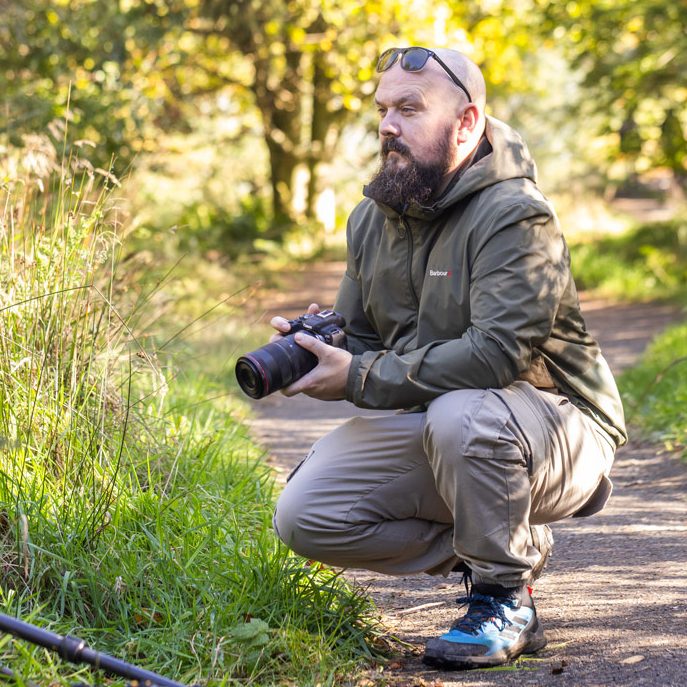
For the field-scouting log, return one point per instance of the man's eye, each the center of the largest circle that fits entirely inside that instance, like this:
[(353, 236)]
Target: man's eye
[(407, 110), (381, 111)]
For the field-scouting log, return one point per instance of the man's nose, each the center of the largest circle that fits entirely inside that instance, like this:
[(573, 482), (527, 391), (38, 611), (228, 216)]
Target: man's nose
[(389, 126)]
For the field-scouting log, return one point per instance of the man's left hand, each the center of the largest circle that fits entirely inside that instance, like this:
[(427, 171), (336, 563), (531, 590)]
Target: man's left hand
[(327, 381)]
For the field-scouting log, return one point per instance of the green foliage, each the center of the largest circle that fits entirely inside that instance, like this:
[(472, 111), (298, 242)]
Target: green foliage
[(655, 391), (633, 56), (646, 263), (105, 66), (302, 71), (210, 227), (134, 510)]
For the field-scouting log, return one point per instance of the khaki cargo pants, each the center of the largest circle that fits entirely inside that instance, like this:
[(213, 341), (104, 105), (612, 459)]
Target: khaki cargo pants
[(419, 492)]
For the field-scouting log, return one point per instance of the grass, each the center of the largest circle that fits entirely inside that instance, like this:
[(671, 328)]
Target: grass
[(648, 262), (134, 510), (655, 390)]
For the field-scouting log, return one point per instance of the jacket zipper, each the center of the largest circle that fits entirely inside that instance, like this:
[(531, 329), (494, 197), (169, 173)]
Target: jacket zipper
[(405, 230)]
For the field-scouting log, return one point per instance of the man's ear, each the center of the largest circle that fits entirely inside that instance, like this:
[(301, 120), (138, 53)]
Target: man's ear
[(468, 123)]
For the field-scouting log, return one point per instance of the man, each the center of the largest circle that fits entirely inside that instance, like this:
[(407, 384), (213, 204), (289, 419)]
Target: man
[(460, 309)]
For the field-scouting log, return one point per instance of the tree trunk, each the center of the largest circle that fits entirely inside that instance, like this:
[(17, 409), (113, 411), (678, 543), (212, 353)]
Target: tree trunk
[(281, 115), (282, 168)]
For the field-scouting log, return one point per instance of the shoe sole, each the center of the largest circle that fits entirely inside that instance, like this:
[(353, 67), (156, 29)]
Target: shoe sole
[(535, 641)]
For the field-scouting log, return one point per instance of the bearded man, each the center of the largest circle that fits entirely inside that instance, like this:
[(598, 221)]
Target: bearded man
[(462, 314)]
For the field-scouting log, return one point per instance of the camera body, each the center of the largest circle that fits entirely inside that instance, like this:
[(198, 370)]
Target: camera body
[(326, 326), (280, 363)]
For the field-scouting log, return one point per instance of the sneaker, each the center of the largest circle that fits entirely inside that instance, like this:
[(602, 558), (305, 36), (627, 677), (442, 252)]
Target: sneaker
[(500, 624), (542, 540)]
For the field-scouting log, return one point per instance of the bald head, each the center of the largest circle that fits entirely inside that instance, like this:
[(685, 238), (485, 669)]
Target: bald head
[(468, 72)]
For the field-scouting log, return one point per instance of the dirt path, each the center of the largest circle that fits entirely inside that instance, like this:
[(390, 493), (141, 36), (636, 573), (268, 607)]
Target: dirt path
[(614, 597)]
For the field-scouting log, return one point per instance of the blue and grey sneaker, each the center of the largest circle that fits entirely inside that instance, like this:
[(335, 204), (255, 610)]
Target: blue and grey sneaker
[(500, 624)]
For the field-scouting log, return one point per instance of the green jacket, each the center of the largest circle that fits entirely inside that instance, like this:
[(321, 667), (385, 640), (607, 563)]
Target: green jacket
[(473, 292)]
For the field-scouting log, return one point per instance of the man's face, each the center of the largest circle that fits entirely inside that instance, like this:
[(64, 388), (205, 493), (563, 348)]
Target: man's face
[(417, 134)]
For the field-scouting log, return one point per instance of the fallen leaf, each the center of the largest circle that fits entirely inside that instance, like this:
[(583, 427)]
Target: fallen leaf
[(630, 660)]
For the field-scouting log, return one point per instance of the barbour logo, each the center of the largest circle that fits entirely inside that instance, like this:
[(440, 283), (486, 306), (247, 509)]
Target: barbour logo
[(440, 273)]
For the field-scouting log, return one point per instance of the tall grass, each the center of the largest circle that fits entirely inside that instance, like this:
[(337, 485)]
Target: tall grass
[(133, 512)]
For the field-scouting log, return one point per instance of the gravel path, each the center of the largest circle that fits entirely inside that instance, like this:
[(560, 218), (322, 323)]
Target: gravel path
[(613, 599)]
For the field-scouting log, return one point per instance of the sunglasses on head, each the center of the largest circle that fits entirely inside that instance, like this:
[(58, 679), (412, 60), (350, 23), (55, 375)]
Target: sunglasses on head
[(413, 60)]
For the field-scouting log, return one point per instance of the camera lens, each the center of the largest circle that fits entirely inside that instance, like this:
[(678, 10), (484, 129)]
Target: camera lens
[(249, 377), (273, 367)]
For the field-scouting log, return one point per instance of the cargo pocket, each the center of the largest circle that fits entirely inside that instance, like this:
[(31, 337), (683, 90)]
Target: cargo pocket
[(484, 428), (299, 466)]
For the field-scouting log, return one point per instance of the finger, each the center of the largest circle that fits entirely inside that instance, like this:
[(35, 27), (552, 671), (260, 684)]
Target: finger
[(313, 309), (280, 323), (298, 386), (310, 343), (275, 337), (293, 389)]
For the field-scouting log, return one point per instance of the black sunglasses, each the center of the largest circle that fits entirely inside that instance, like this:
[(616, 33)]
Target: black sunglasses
[(413, 60)]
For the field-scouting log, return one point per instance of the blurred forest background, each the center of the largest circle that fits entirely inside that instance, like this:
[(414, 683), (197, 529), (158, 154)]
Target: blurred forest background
[(245, 125), (165, 165)]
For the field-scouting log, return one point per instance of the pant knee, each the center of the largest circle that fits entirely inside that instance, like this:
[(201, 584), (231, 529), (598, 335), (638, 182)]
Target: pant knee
[(288, 521), (471, 423), (306, 530)]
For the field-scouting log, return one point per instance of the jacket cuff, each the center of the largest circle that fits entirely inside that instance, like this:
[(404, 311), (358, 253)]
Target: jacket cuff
[(353, 372), (357, 376)]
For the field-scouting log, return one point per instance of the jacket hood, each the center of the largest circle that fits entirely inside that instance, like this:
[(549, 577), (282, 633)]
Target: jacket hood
[(509, 159)]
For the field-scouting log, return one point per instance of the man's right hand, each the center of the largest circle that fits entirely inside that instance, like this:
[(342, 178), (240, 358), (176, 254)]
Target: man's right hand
[(281, 324)]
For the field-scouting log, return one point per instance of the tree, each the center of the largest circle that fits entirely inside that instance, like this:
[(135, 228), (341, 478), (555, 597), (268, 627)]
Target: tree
[(633, 57), (312, 66), (301, 54), (108, 68), (131, 68)]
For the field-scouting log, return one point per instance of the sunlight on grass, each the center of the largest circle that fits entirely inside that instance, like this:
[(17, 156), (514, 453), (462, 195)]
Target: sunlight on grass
[(645, 263), (135, 511)]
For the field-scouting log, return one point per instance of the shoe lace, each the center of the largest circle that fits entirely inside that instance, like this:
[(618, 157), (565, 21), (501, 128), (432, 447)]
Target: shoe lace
[(482, 608)]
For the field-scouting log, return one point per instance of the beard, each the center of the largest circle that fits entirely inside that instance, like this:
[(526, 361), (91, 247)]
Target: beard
[(415, 183)]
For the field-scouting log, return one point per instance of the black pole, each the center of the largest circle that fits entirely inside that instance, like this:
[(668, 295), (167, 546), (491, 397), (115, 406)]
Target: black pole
[(75, 650)]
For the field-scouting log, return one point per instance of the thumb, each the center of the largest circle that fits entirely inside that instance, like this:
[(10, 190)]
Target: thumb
[(310, 343)]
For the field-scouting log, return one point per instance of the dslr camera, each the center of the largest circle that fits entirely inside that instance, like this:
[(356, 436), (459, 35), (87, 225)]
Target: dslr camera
[(280, 363)]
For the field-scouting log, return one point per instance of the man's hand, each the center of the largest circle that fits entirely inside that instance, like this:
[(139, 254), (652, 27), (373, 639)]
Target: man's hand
[(281, 324), (328, 380)]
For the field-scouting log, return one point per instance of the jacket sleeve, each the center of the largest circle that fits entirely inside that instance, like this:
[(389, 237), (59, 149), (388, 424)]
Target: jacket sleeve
[(518, 276), (360, 334)]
